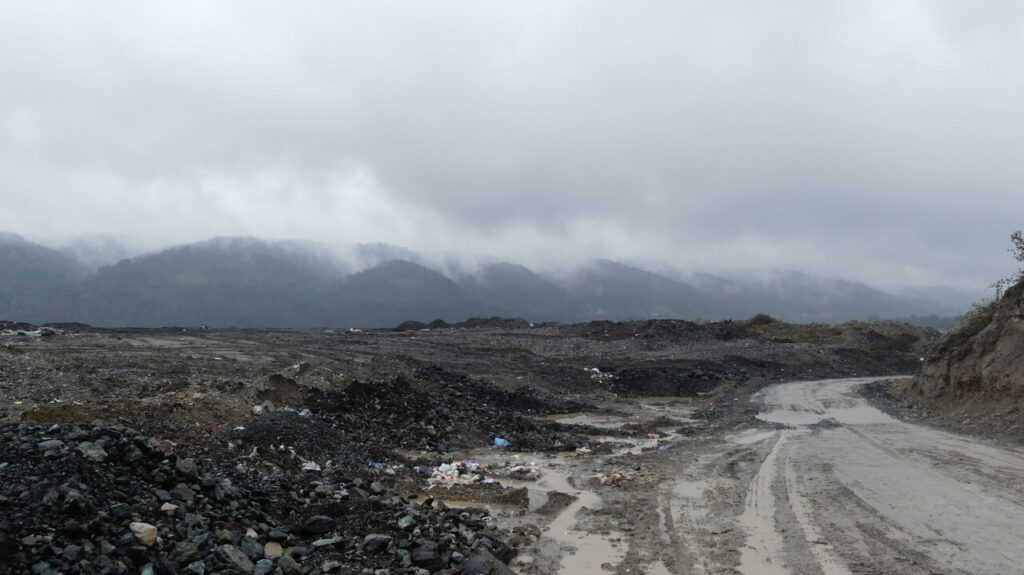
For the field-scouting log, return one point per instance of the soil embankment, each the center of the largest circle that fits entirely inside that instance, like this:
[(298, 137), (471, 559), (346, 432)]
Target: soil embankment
[(972, 380)]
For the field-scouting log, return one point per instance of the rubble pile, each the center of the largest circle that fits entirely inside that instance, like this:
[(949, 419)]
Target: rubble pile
[(103, 500), (395, 414), (290, 440)]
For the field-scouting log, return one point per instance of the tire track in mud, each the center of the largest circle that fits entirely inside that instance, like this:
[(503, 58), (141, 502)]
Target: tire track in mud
[(762, 552), (823, 551)]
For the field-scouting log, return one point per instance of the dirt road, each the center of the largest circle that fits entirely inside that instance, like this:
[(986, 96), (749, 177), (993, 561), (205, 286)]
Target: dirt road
[(850, 490), (836, 487)]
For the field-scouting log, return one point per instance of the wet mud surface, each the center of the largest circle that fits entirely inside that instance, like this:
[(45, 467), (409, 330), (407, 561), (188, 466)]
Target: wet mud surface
[(652, 447)]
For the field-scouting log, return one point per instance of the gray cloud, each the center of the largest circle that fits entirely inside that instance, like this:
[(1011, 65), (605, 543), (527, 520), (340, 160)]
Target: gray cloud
[(878, 141)]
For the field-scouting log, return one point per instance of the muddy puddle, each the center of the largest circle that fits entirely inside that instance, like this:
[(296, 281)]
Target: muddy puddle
[(857, 415), (750, 436), (603, 421), (571, 540)]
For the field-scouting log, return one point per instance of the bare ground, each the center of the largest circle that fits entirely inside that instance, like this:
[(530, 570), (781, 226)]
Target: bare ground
[(684, 452)]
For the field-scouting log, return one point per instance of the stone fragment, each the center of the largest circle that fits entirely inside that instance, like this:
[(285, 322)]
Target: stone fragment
[(185, 552), (144, 533), (289, 566), (263, 567), (376, 542), (183, 493), (50, 444), (188, 468), (483, 562), (234, 556), (427, 556), (72, 552), (327, 542), (168, 508), (253, 549), (272, 550), (93, 451), (318, 524)]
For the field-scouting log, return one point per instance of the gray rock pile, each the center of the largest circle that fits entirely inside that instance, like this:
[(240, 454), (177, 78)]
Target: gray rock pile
[(102, 500)]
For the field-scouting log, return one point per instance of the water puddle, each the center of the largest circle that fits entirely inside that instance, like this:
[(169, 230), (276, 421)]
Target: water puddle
[(680, 409), (603, 421), (750, 436), (688, 499), (857, 415), (462, 504), (592, 550)]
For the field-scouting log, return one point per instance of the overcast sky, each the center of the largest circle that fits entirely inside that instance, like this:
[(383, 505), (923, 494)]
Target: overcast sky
[(881, 141)]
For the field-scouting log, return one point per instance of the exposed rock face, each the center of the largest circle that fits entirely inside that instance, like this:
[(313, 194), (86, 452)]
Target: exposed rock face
[(976, 371)]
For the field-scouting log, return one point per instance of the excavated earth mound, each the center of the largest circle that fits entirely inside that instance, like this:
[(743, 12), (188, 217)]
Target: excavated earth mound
[(973, 378)]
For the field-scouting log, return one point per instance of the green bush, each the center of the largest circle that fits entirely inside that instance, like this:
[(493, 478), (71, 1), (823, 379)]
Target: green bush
[(761, 319)]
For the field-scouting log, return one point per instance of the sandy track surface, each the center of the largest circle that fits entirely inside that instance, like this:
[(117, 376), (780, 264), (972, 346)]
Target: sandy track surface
[(876, 495), (828, 485)]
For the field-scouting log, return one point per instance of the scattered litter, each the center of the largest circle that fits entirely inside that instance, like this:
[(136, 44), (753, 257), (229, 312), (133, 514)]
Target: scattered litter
[(597, 375), (311, 466), (500, 442), (328, 332), (257, 410), (582, 450), (239, 428), (456, 473), (652, 435), (664, 448)]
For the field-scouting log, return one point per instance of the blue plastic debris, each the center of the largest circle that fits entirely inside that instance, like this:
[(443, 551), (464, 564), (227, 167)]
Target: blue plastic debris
[(500, 442)]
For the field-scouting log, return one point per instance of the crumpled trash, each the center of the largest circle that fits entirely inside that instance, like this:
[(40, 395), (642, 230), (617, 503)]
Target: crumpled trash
[(664, 448), (500, 442), (652, 435), (599, 376), (311, 466), (456, 473), (582, 450), (257, 410)]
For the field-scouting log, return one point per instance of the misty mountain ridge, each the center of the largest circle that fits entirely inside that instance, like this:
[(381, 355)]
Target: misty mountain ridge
[(249, 282)]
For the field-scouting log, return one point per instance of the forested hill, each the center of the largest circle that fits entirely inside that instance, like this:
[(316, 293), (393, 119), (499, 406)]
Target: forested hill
[(244, 282)]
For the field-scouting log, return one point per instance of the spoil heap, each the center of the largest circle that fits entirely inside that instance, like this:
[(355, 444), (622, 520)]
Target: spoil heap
[(94, 499), (456, 412)]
